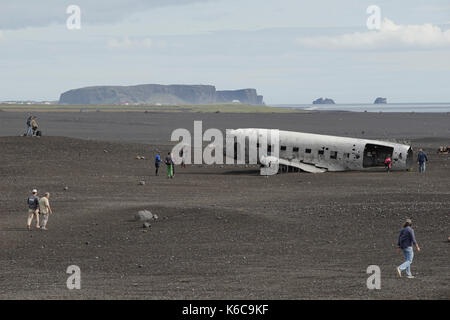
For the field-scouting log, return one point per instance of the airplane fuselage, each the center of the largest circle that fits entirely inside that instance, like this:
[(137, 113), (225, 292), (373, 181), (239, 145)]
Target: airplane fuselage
[(332, 153)]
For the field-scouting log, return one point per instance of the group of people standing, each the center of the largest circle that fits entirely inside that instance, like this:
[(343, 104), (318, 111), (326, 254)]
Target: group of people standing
[(170, 164), (38, 208)]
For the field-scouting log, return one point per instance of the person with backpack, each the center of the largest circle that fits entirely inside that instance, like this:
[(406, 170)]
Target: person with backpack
[(422, 160), (168, 161), (33, 209)]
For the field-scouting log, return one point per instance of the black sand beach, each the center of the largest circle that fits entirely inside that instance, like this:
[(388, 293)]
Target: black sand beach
[(223, 232)]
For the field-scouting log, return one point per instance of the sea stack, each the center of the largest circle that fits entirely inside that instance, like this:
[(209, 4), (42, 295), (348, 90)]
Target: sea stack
[(323, 101), (380, 100)]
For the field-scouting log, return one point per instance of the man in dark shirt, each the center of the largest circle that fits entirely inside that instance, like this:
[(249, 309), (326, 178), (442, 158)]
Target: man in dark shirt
[(422, 160), (406, 240), (33, 209)]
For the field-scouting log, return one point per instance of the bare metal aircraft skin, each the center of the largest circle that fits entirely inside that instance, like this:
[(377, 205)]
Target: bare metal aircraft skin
[(317, 153)]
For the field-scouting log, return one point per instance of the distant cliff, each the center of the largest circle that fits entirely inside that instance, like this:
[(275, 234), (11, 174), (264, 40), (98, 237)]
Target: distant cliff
[(323, 101), (248, 96), (158, 94), (380, 100)]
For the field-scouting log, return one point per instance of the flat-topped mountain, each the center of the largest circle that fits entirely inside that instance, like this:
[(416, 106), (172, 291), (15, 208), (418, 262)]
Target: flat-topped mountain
[(158, 94)]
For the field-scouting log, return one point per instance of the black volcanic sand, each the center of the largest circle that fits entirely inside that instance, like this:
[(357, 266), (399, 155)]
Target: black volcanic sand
[(223, 232), (156, 128)]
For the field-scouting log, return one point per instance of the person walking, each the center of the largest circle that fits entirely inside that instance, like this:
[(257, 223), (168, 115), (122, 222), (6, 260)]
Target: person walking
[(33, 209), (422, 160), (406, 240), (45, 210), (157, 163), (168, 162)]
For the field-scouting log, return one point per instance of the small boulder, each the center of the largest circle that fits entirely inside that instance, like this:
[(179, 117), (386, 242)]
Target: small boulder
[(142, 183), (66, 188), (143, 215), (146, 225)]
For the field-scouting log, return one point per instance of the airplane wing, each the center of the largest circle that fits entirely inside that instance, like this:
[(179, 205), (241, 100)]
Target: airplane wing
[(270, 165), (303, 166)]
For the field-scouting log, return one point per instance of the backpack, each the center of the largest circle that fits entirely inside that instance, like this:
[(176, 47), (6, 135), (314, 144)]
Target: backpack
[(29, 122), (32, 202)]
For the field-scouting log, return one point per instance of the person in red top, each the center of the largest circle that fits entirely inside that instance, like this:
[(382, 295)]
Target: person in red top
[(388, 163)]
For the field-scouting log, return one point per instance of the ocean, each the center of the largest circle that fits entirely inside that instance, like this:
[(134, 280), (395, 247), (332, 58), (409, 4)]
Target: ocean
[(360, 107)]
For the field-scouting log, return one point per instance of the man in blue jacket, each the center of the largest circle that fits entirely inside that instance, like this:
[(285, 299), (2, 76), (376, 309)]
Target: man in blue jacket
[(422, 160), (157, 163), (406, 240)]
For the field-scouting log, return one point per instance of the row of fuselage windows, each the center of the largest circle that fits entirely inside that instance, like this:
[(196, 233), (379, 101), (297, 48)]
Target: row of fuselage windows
[(321, 152)]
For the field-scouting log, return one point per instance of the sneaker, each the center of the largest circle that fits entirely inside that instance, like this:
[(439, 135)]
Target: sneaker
[(399, 272), (410, 276)]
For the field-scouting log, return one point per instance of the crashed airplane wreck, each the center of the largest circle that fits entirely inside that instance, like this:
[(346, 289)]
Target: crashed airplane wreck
[(283, 151)]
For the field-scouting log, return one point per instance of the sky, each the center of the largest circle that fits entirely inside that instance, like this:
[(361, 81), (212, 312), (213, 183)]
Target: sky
[(291, 51)]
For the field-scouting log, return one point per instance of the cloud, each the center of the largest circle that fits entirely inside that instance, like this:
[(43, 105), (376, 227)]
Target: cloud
[(390, 35), (127, 43)]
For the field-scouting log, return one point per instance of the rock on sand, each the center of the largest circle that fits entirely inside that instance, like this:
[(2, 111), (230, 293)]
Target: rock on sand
[(143, 215)]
